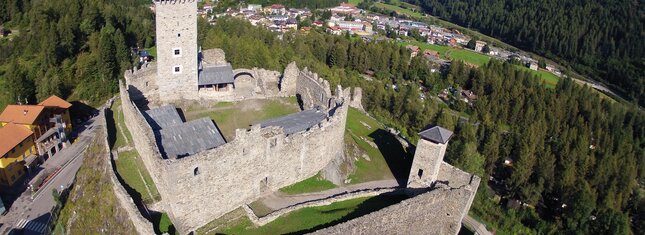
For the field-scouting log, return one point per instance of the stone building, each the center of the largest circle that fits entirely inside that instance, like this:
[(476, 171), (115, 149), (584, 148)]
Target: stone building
[(428, 157), (176, 48)]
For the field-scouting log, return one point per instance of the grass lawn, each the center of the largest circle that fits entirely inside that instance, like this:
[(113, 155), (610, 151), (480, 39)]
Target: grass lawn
[(478, 59), (123, 136), (240, 115), (422, 45), (387, 158), (152, 51), (550, 80), (228, 220), (130, 167), (398, 10), (467, 56), (314, 184), (163, 225), (354, 2), (310, 219)]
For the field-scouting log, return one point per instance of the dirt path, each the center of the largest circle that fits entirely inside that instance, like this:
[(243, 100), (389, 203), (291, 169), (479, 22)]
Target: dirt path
[(279, 200)]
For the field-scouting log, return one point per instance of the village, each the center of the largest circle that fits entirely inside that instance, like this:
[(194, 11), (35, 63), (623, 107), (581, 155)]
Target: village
[(370, 26)]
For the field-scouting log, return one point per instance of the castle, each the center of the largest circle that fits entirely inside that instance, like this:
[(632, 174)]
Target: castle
[(201, 177)]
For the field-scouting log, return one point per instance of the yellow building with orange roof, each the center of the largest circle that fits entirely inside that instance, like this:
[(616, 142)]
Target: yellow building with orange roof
[(16, 145), (30, 116), (49, 122)]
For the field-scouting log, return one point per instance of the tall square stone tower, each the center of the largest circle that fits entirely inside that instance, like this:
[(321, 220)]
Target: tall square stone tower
[(428, 157), (177, 65)]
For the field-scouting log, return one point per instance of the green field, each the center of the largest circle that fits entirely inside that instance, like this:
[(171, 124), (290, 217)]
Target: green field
[(398, 10), (467, 56), (310, 219), (354, 2), (122, 136), (387, 158), (474, 58), (130, 167), (314, 184), (230, 116)]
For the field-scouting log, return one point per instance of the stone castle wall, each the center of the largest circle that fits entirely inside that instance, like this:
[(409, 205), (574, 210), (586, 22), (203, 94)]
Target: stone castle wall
[(143, 82), (141, 224), (256, 162), (313, 90), (202, 187), (438, 211)]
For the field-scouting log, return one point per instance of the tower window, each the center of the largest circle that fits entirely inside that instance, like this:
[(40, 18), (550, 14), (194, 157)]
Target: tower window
[(176, 52), (179, 35), (177, 69)]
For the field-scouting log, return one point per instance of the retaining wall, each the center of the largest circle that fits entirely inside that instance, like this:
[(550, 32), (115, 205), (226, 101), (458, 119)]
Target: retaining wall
[(141, 224)]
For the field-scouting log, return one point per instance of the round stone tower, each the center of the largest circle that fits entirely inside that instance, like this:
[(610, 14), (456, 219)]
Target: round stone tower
[(177, 65)]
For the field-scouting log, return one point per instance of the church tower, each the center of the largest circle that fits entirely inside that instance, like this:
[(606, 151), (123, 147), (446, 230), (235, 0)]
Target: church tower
[(428, 157), (177, 65)]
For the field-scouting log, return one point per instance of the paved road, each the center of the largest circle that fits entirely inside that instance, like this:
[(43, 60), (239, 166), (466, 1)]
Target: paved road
[(475, 225), (280, 200), (30, 214)]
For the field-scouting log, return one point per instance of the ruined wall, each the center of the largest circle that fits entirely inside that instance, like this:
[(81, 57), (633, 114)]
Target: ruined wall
[(439, 211), (289, 80), (142, 225), (259, 221), (214, 56), (313, 90), (357, 99), (202, 187), (143, 82), (256, 162)]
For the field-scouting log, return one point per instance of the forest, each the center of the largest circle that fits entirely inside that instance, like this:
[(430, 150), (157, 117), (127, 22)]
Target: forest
[(600, 39), (76, 49), (578, 159), (568, 145)]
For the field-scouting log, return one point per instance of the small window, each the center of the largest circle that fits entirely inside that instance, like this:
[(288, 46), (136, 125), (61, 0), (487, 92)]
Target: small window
[(179, 35), (420, 173), (177, 69), (196, 171), (177, 52)]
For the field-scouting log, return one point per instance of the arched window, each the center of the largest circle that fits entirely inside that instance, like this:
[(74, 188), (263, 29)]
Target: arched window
[(196, 171)]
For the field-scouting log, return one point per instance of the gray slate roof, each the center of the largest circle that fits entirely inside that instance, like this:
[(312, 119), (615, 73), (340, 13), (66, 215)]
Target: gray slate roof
[(297, 122), (180, 139), (436, 134), (164, 116), (215, 74), (190, 138)]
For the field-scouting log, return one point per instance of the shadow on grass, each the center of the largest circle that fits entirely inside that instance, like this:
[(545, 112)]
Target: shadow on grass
[(397, 158), (161, 220), (111, 127), (368, 206)]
